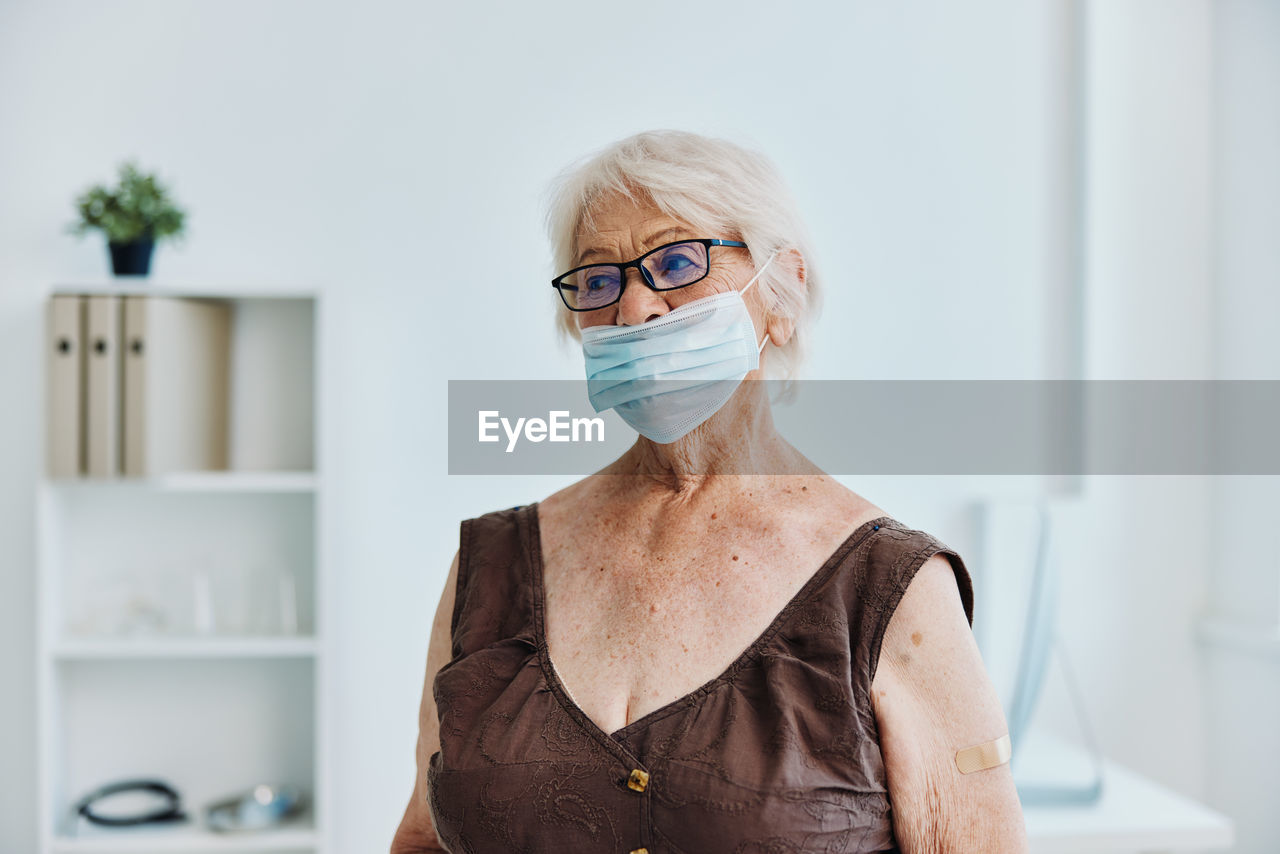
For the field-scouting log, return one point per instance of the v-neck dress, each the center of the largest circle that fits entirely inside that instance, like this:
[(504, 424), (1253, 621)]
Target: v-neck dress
[(778, 754)]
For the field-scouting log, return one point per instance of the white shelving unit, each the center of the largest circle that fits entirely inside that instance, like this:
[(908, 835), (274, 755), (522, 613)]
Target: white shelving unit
[(211, 712)]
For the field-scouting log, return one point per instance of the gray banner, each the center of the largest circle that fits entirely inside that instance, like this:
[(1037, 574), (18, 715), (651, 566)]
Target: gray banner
[(949, 427)]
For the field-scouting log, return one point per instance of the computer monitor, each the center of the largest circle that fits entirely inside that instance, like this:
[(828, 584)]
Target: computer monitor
[(1038, 642)]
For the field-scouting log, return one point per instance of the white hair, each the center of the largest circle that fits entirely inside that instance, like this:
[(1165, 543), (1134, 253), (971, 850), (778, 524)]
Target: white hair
[(710, 184)]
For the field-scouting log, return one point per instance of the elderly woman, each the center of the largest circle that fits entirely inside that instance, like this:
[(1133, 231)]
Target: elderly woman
[(710, 645)]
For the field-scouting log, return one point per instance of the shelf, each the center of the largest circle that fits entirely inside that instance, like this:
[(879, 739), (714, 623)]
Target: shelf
[(185, 647), (186, 838), (200, 481), (127, 568), (177, 288)]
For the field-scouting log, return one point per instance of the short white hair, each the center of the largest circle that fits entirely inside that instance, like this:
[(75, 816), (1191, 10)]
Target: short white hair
[(711, 184)]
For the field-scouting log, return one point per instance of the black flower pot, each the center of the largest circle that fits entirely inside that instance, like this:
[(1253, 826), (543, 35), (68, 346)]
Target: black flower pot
[(132, 258)]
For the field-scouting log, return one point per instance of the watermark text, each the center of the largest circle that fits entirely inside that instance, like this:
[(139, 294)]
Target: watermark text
[(556, 427)]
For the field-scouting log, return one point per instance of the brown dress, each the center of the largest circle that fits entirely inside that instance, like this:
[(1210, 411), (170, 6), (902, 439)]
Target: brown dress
[(779, 754)]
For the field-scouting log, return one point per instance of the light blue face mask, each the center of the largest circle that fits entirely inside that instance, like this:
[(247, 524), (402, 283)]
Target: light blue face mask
[(666, 376)]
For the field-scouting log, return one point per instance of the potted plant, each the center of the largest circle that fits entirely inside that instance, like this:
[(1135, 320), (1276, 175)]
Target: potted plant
[(134, 215)]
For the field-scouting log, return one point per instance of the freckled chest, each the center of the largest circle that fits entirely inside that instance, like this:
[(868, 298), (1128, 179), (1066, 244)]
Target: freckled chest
[(631, 627)]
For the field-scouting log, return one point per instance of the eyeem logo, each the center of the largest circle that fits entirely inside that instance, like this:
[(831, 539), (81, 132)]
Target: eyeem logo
[(558, 427)]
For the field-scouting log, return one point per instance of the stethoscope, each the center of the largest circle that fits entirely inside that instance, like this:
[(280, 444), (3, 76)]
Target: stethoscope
[(172, 811), (262, 806)]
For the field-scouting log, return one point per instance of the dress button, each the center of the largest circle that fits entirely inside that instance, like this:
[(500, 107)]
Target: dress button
[(637, 781), (638, 851)]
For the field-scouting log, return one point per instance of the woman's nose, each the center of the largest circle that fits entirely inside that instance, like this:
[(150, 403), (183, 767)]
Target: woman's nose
[(639, 302)]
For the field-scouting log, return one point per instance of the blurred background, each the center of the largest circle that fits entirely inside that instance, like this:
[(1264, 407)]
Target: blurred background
[(997, 189)]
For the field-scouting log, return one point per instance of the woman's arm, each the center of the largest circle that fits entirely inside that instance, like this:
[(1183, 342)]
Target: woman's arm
[(416, 833), (932, 697)]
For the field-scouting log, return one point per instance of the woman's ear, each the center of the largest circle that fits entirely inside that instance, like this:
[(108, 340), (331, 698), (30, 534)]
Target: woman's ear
[(795, 266), (791, 267), (781, 328)]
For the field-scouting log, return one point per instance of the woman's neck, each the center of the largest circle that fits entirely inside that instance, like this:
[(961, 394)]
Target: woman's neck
[(740, 439)]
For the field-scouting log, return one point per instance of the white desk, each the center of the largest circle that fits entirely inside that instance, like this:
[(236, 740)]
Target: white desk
[(1133, 816)]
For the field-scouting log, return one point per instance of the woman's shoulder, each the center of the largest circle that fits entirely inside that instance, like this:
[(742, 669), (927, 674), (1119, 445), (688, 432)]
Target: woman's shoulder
[(502, 539), (497, 514), (569, 503), (895, 557), (512, 533), (493, 598), (897, 544), (497, 529), (509, 518)]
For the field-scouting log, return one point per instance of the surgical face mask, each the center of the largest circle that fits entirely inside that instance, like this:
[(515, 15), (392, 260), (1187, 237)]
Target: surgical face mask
[(666, 376)]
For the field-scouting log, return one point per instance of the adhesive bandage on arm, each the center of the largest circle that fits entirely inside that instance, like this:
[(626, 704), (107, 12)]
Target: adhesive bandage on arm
[(983, 756)]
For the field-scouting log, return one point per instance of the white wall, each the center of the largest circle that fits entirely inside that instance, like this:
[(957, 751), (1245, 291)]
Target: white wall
[(1183, 173), (395, 153), (1243, 667), (1135, 550)]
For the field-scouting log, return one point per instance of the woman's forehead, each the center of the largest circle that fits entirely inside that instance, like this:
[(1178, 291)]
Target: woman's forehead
[(614, 212), (627, 228), (614, 220)]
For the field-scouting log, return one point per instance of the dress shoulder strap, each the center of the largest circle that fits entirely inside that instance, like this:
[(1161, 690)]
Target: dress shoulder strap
[(892, 561), (492, 599)]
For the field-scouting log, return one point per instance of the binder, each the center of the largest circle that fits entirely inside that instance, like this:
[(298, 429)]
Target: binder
[(102, 385), (64, 436), (176, 384)]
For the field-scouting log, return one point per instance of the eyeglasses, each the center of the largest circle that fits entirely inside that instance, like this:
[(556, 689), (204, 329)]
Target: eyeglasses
[(670, 266)]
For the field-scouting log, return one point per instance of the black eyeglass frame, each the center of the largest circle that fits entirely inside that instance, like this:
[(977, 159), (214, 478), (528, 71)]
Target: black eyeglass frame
[(638, 263)]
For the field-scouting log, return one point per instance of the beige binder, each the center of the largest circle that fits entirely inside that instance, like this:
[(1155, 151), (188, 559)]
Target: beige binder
[(102, 385), (176, 384), (64, 436)]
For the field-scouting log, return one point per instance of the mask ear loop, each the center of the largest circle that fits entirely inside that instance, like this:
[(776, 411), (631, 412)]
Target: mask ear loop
[(772, 255), (763, 267)]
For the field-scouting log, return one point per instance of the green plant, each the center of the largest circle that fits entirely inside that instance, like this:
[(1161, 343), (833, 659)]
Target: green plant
[(139, 208)]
